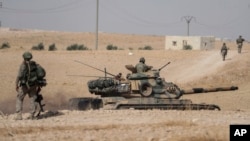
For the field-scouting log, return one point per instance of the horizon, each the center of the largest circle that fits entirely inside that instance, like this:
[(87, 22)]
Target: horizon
[(226, 19)]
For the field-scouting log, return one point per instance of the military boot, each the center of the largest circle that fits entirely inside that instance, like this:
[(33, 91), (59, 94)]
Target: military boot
[(18, 116)]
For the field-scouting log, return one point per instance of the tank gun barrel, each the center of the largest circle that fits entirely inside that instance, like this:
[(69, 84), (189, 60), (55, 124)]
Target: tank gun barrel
[(164, 66), (206, 90), (95, 68), (88, 76)]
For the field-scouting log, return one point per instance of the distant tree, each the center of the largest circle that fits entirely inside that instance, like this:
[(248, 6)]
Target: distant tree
[(5, 45), (146, 48), (52, 47), (187, 47), (111, 47), (76, 47), (40, 46)]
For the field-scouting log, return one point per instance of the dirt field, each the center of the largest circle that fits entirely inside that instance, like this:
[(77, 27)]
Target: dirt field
[(187, 69)]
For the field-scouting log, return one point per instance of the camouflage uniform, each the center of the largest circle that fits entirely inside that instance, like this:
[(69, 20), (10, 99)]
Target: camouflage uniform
[(239, 42), (224, 51), (141, 66), (23, 88)]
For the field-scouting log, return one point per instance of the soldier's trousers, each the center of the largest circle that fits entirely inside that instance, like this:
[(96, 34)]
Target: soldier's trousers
[(224, 54), (239, 48), (32, 93)]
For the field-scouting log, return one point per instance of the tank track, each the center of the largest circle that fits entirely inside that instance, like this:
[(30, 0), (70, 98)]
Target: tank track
[(170, 106), (117, 103)]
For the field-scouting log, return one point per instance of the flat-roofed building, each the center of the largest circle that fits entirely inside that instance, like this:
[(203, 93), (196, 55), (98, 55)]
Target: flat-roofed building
[(187, 42)]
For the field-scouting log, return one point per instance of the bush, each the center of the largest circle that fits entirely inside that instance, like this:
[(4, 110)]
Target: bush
[(76, 47), (5, 45), (52, 47), (111, 47), (40, 46), (146, 48), (187, 47)]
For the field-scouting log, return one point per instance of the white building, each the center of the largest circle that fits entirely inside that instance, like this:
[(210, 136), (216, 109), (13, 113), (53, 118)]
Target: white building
[(196, 42)]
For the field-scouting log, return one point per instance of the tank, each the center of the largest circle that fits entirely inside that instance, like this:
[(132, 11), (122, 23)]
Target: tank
[(146, 90)]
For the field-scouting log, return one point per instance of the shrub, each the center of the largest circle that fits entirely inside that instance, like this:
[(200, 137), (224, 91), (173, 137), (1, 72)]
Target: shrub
[(5, 45), (52, 47), (82, 47), (187, 47), (76, 47), (111, 47), (40, 46), (146, 48)]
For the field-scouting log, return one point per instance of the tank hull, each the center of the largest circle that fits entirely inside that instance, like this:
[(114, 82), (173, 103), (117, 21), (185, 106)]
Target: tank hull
[(116, 103)]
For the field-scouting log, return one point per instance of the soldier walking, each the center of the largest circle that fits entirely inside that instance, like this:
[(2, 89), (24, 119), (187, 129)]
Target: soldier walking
[(224, 51), (239, 42), (26, 84)]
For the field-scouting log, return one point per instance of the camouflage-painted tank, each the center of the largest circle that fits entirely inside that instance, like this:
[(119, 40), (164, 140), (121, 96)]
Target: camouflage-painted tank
[(146, 84), (145, 90)]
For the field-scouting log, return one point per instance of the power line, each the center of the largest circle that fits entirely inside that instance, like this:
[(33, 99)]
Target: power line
[(60, 8), (122, 13)]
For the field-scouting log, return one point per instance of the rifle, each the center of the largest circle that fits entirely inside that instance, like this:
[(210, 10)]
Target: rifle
[(95, 68), (39, 101), (164, 66)]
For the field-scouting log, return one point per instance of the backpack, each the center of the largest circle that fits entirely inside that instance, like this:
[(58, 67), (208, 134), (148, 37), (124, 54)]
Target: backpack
[(40, 72), (36, 75)]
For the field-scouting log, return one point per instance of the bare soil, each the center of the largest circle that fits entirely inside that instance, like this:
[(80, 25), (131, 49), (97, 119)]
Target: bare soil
[(188, 69)]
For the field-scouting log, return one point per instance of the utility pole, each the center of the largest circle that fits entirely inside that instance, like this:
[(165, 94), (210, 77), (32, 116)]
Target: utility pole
[(188, 20), (97, 16), (1, 5)]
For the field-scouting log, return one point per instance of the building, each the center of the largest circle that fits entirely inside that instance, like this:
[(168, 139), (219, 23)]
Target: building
[(189, 42)]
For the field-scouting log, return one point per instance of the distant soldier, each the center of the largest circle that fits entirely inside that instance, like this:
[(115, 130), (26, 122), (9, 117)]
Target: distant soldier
[(239, 42), (119, 77), (141, 66), (26, 84), (224, 51)]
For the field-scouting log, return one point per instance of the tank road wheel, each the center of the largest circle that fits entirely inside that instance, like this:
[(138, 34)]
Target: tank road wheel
[(84, 103), (146, 89)]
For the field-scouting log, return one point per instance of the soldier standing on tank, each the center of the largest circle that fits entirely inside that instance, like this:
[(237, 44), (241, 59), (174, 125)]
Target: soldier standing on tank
[(239, 42), (224, 51), (141, 66), (23, 87)]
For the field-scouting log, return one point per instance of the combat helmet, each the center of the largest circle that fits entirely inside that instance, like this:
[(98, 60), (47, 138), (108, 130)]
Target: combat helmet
[(27, 55), (142, 59)]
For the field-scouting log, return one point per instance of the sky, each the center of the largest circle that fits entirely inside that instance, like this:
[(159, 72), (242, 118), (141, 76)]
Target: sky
[(220, 18)]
